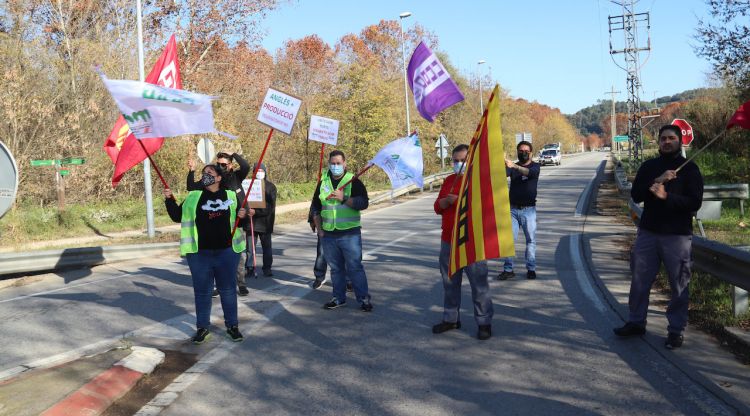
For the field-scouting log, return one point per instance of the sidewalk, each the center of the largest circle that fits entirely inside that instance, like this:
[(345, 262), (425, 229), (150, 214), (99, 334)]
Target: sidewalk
[(606, 241)]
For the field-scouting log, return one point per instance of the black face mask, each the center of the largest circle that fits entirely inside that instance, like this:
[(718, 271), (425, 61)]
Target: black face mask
[(207, 179), (523, 157)]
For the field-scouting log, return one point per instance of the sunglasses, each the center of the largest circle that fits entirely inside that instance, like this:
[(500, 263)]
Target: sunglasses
[(223, 165)]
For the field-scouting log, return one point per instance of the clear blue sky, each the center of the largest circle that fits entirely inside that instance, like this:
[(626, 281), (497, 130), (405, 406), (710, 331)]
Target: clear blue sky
[(555, 52)]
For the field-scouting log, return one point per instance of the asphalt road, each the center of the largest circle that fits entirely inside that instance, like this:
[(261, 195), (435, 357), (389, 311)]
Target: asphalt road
[(552, 349)]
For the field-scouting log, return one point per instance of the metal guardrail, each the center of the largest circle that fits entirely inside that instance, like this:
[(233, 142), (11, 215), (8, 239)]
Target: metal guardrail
[(40, 261), (428, 180)]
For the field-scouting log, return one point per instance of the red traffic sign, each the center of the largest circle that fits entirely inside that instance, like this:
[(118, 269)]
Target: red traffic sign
[(687, 130)]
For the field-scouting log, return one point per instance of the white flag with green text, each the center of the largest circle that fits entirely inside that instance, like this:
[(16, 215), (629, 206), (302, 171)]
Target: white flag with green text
[(401, 160), (155, 111)]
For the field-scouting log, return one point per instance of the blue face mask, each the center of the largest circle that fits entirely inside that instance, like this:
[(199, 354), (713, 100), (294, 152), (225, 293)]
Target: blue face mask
[(458, 167), (336, 170)]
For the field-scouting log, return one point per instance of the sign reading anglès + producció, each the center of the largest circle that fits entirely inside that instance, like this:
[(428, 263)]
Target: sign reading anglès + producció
[(324, 130), (279, 110)]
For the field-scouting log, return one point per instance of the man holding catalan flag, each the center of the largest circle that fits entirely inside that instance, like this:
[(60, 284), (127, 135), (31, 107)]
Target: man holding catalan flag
[(476, 221)]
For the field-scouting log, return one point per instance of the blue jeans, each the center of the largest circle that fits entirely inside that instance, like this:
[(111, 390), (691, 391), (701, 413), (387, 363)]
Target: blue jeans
[(320, 267), (524, 218), (204, 266), (480, 289), (344, 256)]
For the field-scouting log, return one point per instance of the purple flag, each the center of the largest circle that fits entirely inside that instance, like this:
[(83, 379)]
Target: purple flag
[(433, 88)]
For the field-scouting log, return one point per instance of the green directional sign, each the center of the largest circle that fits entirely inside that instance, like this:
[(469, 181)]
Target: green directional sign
[(73, 161), (620, 139), (64, 172), (43, 162)]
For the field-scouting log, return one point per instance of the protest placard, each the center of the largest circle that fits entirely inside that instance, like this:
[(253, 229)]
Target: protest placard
[(279, 110), (324, 130)]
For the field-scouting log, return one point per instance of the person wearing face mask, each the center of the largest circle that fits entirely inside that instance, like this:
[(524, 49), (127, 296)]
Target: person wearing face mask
[(233, 178), (524, 177), (263, 220), (212, 253), (665, 234), (445, 206), (336, 214)]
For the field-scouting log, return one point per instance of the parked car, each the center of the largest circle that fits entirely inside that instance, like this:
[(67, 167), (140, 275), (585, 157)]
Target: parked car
[(550, 157)]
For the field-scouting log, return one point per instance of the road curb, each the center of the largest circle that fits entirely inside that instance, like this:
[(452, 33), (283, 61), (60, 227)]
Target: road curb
[(98, 394)]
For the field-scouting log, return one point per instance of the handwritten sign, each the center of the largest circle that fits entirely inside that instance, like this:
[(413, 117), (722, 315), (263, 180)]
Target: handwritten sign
[(324, 130), (257, 197), (279, 110)]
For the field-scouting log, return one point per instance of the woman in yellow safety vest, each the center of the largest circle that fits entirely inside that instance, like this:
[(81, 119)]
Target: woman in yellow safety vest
[(212, 252)]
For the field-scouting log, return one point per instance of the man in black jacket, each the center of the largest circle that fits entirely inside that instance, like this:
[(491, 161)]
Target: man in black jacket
[(263, 220), (665, 234), (233, 178)]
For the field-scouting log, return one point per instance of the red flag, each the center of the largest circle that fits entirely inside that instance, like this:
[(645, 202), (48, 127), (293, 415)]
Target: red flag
[(741, 117), (121, 145)]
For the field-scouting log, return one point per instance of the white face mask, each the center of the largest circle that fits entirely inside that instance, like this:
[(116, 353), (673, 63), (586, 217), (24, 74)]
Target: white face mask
[(260, 175)]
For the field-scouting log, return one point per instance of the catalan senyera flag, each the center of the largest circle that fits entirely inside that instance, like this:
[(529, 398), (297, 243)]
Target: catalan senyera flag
[(482, 229)]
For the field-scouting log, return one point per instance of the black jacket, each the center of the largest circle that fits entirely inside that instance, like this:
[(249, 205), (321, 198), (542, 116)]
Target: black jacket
[(264, 218), (684, 196), (231, 180)]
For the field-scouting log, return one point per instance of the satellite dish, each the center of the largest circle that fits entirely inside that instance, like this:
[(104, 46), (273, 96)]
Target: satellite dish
[(8, 179)]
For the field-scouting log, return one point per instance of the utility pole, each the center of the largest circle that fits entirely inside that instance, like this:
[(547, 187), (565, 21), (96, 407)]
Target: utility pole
[(629, 23), (613, 118)]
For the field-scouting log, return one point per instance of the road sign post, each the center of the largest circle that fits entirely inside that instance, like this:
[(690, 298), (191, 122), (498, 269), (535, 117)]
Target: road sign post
[(60, 174), (442, 150)]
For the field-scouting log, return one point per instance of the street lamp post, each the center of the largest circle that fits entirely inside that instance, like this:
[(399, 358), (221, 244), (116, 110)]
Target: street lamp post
[(481, 99), (401, 18)]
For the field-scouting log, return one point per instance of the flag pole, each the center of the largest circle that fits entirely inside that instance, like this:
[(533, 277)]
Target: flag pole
[(353, 178), (700, 150), (252, 179), (156, 168), (146, 165), (479, 126), (320, 167)]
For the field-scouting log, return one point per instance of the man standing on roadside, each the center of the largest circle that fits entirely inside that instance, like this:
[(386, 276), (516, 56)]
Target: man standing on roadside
[(524, 178), (665, 234), (445, 206), (337, 221)]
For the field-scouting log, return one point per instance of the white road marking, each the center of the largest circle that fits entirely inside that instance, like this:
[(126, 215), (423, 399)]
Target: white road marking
[(580, 273)]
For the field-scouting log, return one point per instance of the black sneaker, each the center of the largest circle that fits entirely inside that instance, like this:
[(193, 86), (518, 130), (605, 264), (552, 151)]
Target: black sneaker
[(629, 329), (334, 303), (485, 332), (349, 287), (318, 283), (673, 341), (215, 293), (243, 291), (445, 326), (506, 275), (234, 334), (267, 273), (531, 275), (201, 336), (366, 306)]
